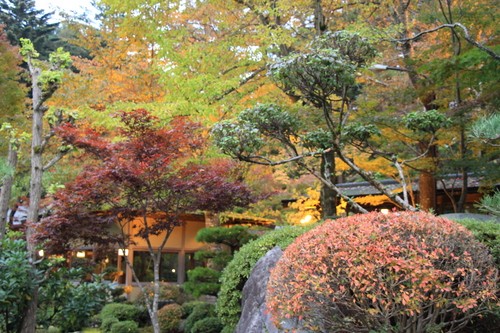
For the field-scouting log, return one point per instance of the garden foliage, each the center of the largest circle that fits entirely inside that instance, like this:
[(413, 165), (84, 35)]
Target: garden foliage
[(401, 272), (200, 312), (169, 318), (238, 270), (120, 311), (127, 326), (202, 281)]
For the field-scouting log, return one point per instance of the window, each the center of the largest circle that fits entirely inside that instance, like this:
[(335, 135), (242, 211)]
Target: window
[(143, 266)]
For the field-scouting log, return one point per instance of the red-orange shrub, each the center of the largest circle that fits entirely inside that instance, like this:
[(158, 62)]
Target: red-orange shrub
[(401, 272)]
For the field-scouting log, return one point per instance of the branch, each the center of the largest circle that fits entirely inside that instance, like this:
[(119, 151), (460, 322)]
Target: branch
[(467, 37), (254, 158), (242, 82)]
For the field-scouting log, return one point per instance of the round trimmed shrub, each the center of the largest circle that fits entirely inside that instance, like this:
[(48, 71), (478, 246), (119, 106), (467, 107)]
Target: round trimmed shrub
[(169, 318), (202, 281), (187, 308), (121, 311), (401, 272), (127, 326), (169, 293), (236, 273), (200, 311), (208, 325), (107, 323)]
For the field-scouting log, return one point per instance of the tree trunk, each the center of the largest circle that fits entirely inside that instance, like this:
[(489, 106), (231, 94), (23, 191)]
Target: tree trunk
[(328, 197), (7, 181), (427, 185), (29, 319)]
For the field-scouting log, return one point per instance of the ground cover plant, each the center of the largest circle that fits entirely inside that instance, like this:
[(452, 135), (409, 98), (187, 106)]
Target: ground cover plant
[(401, 272)]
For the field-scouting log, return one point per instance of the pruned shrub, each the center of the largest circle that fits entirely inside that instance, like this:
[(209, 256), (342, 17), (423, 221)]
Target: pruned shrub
[(107, 323), (488, 233), (121, 311), (236, 273), (127, 326), (207, 325), (169, 293), (169, 318), (401, 272), (200, 311), (187, 308), (202, 281)]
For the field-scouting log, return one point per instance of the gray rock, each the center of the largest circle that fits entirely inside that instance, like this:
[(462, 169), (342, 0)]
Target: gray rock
[(253, 317)]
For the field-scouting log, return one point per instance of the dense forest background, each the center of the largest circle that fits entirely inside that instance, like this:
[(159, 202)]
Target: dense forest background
[(211, 60)]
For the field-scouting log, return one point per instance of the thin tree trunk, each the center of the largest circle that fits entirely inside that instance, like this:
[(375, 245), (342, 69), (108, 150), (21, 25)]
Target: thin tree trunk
[(7, 182), (29, 318), (328, 197)]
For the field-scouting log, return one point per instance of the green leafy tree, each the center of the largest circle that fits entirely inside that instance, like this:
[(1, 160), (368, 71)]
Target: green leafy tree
[(23, 20), (325, 77)]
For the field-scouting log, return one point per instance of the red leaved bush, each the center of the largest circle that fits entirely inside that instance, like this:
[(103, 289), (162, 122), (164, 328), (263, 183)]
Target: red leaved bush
[(401, 272)]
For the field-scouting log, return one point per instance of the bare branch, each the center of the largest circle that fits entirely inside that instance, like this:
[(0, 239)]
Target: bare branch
[(467, 37)]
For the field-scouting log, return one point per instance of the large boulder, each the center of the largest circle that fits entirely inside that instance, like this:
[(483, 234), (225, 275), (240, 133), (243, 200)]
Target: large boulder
[(253, 317)]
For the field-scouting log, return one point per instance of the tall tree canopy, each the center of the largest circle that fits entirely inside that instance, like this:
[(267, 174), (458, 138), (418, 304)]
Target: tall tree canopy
[(23, 20)]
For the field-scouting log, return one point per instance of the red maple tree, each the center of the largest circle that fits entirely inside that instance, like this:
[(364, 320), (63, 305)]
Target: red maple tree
[(150, 170)]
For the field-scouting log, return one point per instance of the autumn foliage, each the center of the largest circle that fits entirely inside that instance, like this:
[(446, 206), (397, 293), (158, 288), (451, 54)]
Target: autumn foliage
[(401, 272), (149, 169)]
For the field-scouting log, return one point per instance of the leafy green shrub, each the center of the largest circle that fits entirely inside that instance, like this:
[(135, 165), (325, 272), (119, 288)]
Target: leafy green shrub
[(238, 270), (121, 311), (200, 311), (487, 233), (207, 325), (107, 323), (169, 318), (18, 279), (127, 326), (378, 272), (168, 292), (202, 281), (228, 329), (187, 308)]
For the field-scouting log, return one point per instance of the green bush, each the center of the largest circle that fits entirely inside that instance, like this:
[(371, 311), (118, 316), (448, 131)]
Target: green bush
[(202, 281), (18, 280), (121, 311), (487, 233), (127, 326), (107, 323), (238, 270), (207, 325), (168, 292), (228, 329), (169, 318), (376, 272), (200, 311), (187, 308)]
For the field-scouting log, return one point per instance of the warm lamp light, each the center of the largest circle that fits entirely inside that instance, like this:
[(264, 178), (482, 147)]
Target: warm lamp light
[(41, 253), (384, 211), (306, 219), (121, 252), (80, 254)]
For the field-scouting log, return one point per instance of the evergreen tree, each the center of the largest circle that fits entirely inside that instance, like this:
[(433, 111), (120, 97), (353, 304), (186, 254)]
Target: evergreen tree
[(23, 20)]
